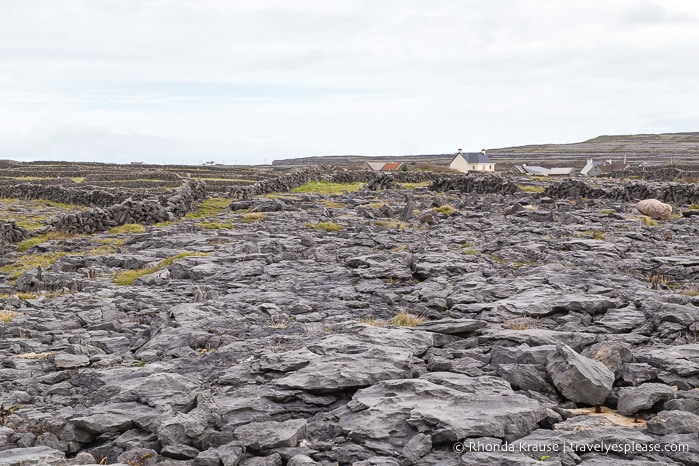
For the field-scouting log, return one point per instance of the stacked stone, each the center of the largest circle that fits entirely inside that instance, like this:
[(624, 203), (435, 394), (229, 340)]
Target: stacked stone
[(673, 193), (491, 184), (10, 232)]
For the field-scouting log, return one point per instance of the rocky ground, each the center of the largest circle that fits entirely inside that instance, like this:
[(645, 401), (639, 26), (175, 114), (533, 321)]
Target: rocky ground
[(291, 337)]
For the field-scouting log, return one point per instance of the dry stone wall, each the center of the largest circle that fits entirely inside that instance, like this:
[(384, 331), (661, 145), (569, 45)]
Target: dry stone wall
[(491, 184), (289, 181), (672, 193), (10, 232)]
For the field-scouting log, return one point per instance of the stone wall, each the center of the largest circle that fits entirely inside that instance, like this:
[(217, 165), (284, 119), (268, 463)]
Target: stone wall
[(671, 173), (11, 232), (69, 195), (672, 193), (489, 184), (176, 204), (289, 181)]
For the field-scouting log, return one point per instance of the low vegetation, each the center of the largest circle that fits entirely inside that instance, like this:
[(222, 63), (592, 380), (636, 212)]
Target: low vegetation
[(649, 222), (531, 189), (406, 319), (325, 187), (423, 184), (216, 225), (128, 277), (325, 226), (252, 217), (210, 208), (391, 224), (445, 210), (128, 228), (7, 316), (28, 262), (37, 240)]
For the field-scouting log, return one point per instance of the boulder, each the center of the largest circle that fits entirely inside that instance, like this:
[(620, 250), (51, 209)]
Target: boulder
[(578, 378), (644, 397), (653, 208), (673, 422)]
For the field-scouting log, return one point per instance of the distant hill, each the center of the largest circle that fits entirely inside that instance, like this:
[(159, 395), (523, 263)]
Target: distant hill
[(677, 148)]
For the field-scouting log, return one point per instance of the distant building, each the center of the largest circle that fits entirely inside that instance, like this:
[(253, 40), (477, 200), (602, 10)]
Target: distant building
[(385, 167), (535, 170), (593, 168), (472, 161)]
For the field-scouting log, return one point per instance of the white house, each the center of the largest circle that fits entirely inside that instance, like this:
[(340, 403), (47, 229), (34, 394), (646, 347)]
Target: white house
[(472, 161)]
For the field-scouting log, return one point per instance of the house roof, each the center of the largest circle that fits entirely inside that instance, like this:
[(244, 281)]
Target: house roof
[(390, 166), (473, 157), (561, 171)]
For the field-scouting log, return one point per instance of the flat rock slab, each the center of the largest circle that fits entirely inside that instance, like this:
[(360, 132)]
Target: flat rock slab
[(271, 434), (32, 456), (635, 399), (70, 361), (682, 360), (395, 410), (452, 326)]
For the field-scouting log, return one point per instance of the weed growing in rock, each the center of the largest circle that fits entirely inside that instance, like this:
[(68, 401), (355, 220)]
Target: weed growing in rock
[(595, 234), (252, 217), (406, 319), (128, 228), (30, 261), (20, 295), (691, 292), (374, 322), (657, 281)]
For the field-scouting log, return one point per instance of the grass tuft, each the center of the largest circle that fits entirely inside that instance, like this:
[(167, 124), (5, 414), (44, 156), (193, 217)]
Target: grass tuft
[(406, 319), (37, 240), (216, 225), (392, 224), (128, 277), (8, 316), (327, 226), (325, 187), (445, 210), (252, 217), (210, 208), (531, 189), (128, 228), (649, 222)]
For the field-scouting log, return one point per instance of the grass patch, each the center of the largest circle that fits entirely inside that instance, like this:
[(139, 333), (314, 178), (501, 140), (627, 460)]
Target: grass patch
[(649, 222), (445, 210), (128, 228), (392, 224), (252, 217), (78, 179), (327, 226), (30, 261), (406, 319), (531, 189), (8, 316), (325, 187), (595, 234), (423, 184), (694, 207), (374, 322), (691, 292), (128, 277), (606, 212), (216, 225), (210, 208), (20, 295), (331, 204), (35, 241)]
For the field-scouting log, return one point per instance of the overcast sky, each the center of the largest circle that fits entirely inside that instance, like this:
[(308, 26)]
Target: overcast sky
[(250, 81)]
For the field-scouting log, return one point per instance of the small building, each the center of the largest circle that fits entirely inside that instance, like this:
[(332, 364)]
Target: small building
[(593, 168), (385, 166), (472, 161)]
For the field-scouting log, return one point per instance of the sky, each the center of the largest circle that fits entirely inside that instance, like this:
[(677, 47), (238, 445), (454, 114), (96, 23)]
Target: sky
[(252, 81)]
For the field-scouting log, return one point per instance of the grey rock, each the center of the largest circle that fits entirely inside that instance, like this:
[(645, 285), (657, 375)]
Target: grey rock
[(231, 453), (268, 435), (578, 378), (302, 460), (139, 457), (416, 448), (644, 397), (452, 326), (32, 456), (673, 422), (70, 361), (272, 460), (208, 457), (179, 451)]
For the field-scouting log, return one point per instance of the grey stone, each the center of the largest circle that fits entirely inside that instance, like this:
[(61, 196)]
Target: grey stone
[(644, 397), (32, 456), (673, 422), (70, 361), (139, 457), (578, 378), (271, 434)]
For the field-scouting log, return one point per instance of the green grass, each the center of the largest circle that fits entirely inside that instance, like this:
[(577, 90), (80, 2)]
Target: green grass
[(128, 228), (210, 208), (694, 207), (30, 261), (78, 179), (531, 189), (423, 184), (325, 187), (35, 241), (128, 277), (649, 222), (252, 217), (445, 210), (326, 226), (606, 212), (216, 225)]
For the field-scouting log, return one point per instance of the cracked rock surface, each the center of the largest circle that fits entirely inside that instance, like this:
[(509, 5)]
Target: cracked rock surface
[(384, 342)]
